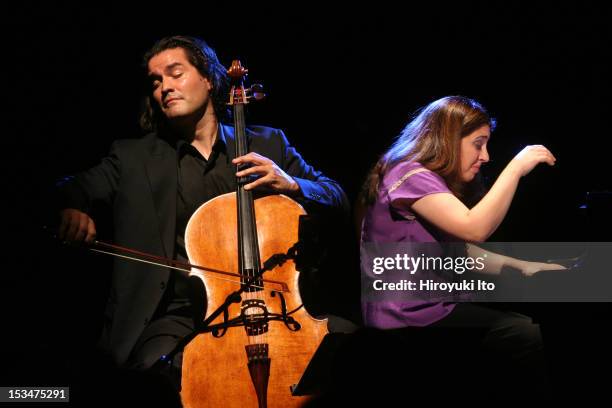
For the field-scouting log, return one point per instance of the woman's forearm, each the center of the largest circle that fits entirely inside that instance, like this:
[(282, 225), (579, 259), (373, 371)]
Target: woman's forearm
[(486, 216), (493, 262)]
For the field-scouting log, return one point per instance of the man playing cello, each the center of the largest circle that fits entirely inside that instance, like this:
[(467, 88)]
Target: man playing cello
[(155, 183)]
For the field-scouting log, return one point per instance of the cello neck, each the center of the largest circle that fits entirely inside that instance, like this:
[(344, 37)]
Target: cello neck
[(248, 248)]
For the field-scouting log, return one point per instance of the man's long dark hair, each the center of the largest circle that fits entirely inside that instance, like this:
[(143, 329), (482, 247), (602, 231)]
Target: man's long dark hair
[(201, 56)]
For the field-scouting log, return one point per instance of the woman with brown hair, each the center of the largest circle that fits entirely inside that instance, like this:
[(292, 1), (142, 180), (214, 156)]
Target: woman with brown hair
[(417, 192)]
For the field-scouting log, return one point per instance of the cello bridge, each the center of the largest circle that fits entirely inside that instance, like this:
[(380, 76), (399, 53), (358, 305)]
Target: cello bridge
[(254, 315)]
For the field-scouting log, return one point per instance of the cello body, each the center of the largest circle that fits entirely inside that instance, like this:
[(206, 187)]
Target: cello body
[(215, 372), (250, 354)]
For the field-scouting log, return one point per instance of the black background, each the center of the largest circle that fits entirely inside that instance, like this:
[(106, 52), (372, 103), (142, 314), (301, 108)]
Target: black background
[(342, 83)]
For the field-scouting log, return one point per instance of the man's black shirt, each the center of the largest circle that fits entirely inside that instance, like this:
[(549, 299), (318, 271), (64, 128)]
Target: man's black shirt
[(199, 180)]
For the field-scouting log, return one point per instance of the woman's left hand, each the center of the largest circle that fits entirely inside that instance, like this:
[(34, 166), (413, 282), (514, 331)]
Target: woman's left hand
[(531, 268)]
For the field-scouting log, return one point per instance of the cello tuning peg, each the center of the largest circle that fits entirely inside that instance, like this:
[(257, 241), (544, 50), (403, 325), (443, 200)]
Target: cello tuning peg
[(257, 92)]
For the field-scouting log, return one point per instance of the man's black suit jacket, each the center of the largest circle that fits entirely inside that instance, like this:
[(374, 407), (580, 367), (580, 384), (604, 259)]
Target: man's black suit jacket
[(138, 179)]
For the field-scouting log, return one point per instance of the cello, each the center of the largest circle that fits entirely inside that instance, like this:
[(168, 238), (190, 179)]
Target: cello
[(262, 342)]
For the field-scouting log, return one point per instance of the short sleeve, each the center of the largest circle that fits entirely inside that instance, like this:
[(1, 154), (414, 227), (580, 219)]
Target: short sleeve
[(411, 184)]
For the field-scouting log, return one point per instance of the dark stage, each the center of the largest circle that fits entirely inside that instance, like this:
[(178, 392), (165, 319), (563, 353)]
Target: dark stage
[(341, 82)]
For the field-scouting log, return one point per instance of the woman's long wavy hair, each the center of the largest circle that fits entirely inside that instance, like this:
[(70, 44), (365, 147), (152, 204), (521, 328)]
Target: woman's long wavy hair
[(433, 138), (201, 56)]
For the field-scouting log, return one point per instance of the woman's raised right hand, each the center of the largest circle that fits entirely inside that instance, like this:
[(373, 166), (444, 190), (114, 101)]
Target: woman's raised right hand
[(530, 157)]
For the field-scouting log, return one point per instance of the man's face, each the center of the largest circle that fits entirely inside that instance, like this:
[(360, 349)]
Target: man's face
[(178, 87)]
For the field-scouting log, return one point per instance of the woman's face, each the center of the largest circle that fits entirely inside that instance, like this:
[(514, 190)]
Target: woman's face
[(474, 152)]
